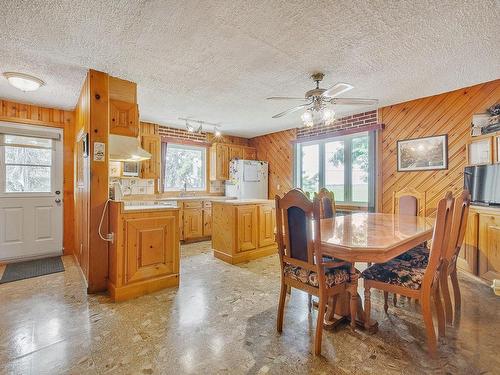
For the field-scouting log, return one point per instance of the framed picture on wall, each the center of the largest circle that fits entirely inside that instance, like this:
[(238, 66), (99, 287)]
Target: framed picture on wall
[(423, 154)]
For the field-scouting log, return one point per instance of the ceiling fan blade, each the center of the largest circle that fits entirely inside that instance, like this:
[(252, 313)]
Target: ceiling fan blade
[(284, 98), (337, 89), (353, 101), (291, 110)]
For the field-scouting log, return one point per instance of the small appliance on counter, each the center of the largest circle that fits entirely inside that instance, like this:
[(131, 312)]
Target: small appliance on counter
[(247, 179)]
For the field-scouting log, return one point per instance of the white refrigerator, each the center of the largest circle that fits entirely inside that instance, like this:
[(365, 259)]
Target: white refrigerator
[(247, 179)]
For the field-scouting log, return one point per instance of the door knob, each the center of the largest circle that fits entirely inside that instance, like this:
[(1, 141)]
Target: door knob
[(58, 200)]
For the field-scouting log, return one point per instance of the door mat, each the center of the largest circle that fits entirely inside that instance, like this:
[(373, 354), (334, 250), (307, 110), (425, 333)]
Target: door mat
[(31, 268)]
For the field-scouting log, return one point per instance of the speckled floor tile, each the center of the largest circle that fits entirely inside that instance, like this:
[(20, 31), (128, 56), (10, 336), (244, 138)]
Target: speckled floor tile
[(222, 320)]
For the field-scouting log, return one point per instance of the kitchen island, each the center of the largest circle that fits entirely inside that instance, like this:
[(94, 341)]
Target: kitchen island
[(243, 229), (144, 256)]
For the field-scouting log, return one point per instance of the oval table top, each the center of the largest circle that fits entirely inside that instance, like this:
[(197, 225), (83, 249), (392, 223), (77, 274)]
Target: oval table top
[(373, 237)]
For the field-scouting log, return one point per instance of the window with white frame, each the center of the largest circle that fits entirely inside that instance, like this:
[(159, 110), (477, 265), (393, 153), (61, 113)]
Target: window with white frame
[(342, 164), (26, 164), (185, 167)]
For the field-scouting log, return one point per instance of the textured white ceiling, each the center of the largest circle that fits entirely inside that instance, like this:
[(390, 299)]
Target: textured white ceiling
[(218, 60)]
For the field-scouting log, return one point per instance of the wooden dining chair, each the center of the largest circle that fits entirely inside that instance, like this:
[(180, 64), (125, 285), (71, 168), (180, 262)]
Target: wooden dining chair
[(459, 225), (400, 277), (409, 201), (301, 261), (328, 208)]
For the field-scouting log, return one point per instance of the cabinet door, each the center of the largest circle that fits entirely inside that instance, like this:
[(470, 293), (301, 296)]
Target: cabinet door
[(467, 258), (207, 222), (193, 223), (266, 226), (235, 152), (151, 168), (181, 225), (124, 118), (489, 246), (247, 227), (249, 153), (222, 169), (150, 245)]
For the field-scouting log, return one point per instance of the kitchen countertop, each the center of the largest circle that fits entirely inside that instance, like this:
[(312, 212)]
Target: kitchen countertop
[(236, 202), (197, 198), (148, 205)]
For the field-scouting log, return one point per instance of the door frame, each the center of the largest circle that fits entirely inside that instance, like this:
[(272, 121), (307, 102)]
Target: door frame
[(57, 174)]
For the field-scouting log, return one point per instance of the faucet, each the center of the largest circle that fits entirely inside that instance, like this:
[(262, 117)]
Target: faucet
[(184, 192)]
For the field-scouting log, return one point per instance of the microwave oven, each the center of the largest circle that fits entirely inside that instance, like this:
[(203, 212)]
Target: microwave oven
[(130, 169)]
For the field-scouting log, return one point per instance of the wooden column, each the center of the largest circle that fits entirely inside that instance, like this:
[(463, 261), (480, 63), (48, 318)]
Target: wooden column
[(98, 132)]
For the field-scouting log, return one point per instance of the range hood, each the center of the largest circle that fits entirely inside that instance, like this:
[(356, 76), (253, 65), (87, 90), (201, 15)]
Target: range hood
[(122, 148)]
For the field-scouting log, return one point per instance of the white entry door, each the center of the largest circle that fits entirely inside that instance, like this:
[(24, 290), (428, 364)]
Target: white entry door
[(31, 199)]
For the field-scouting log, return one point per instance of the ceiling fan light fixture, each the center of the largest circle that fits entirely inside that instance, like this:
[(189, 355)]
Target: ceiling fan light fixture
[(217, 132), (23, 82), (328, 116)]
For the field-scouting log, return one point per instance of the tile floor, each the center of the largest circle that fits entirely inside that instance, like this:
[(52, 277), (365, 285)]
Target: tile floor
[(221, 320)]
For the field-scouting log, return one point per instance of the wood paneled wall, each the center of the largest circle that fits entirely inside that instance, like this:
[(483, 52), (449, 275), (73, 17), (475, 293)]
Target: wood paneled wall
[(449, 113), (58, 118), (277, 149), (92, 117)]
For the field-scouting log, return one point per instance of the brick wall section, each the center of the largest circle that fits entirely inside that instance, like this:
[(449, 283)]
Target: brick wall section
[(167, 131), (354, 121)]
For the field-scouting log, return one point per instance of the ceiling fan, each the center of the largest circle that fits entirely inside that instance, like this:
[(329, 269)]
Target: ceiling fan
[(319, 101)]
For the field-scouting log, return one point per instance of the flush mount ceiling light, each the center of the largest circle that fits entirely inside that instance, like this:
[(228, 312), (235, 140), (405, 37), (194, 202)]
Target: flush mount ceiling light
[(24, 82)]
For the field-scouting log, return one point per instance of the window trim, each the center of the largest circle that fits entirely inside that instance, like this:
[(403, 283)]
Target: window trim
[(205, 175), (371, 134)]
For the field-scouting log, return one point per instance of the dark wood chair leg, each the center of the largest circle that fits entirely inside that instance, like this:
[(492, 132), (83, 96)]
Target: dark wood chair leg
[(319, 325), (289, 289), (368, 306), (395, 299), (309, 302), (440, 312), (429, 326), (386, 298), (330, 312), (281, 307), (353, 305), (456, 290), (445, 291)]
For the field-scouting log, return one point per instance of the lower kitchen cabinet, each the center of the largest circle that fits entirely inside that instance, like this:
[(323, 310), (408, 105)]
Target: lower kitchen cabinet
[(243, 231), (144, 256), (207, 222), (193, 223), (480, 253)]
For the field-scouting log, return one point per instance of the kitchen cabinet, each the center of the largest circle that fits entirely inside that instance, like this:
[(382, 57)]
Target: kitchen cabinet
[(489, 246), (247, 227), (207, 219), (151, 168), (221, 154), (243, 231), (219, 162), (124, 118), (468, 256), (144, 256), (193, 223), (267, 223)]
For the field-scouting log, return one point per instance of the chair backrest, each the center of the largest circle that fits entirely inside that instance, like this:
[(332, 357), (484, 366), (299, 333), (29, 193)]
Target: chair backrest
[(294, 223), (408, 201), (327, 206), (440, 241), (458, 227)]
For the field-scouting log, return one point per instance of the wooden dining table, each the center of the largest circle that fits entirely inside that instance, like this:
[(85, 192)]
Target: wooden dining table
[(371, 238)]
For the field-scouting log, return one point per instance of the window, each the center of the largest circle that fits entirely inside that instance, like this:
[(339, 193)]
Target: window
[(27, 164), (185, 167), (343, 165)]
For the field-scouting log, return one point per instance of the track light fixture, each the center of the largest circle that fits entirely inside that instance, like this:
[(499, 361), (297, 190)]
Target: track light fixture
[(198, 127)]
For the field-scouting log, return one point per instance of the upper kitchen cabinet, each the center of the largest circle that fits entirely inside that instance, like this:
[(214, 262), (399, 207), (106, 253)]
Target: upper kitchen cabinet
[(221, 154), (123, 109), (219, 162), (124, 118), (151, 168)]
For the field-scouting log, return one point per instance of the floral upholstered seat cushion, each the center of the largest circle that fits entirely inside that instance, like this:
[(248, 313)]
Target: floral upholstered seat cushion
[(418, 256), (333, 276), (397, 272)]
